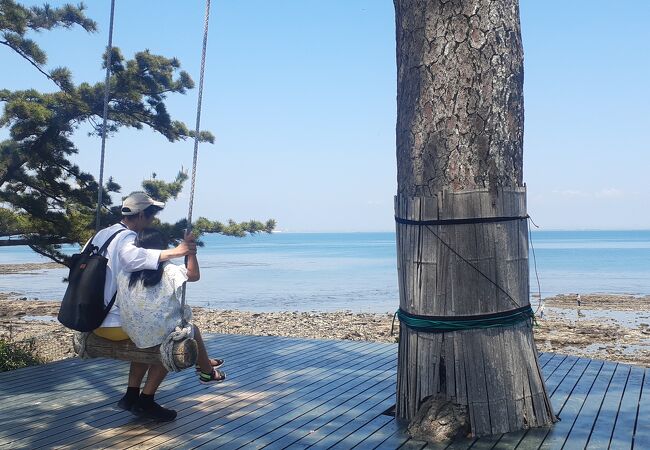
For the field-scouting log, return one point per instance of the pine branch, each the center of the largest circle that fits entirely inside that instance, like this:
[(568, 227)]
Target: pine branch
[(56, 257), (29, 242), (33, 63)]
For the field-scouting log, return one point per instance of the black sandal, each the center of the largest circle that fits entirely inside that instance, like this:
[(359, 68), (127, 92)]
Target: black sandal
[(217, 376), (215, 363)]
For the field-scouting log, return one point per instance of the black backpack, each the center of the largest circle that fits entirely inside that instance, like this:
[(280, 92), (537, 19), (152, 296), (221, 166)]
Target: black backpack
[(82, 307)]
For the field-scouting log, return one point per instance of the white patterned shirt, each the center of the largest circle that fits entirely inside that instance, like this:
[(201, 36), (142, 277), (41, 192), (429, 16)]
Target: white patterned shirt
[(150, 314)]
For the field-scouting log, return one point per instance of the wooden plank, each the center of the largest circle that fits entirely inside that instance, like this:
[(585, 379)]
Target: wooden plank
[(379, 436), (581, 429), (642, 435), (339, 419), (295, 387), (568, 413), (354, 412), (51, 387), (274, 425), (518, 407), (240, 423), (544, 358), (551, 366), (393, 436), (325, 418), (484, 443), (555, 370), (461, 444), (297, 383), (124, 428), (408, 445), (25, 382), (604, 426), (66, 412), (94, 378), (171, 392), (291, 417), (626, 418), (59, 426), (13, 376), (351, 440), (563, 370), (534, 437), (76, 369), (360, 425), (68, 415), (499, 370), (255, 368)]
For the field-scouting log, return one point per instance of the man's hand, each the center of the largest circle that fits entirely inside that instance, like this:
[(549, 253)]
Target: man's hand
[(185, 248), (187, 245)]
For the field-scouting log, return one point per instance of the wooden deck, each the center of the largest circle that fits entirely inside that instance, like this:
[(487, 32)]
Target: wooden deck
[(297, 393)]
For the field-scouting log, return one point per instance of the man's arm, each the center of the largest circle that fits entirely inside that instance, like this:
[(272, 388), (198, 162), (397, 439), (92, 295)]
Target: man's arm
[(135, 258)]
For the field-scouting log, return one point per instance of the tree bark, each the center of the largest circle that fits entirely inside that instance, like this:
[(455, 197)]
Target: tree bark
[(459, 95), (460, 120)]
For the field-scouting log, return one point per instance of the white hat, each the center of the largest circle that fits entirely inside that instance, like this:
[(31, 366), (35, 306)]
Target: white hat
[(137, 202)]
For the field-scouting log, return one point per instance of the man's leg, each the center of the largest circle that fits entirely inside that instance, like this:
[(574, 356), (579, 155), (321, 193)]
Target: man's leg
[(136, 374), (157, 374), (145, 406)]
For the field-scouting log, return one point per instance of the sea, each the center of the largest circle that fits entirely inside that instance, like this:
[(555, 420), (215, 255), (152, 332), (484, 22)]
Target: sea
[(357, 271)]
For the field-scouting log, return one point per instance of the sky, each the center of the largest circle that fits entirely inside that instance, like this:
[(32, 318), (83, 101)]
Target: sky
[(301, 95)]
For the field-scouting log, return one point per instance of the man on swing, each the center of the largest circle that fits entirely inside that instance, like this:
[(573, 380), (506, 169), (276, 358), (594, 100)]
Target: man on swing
[(138, 212)]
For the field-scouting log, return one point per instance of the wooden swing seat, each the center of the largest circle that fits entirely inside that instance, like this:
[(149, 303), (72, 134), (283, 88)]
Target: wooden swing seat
[(184, 354)]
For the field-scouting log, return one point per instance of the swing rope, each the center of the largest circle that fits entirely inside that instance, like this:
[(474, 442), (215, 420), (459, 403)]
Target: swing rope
[(197, 131), (109, 57)]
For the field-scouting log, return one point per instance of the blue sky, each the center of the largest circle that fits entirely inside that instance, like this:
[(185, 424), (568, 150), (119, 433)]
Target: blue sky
[(301, 97)]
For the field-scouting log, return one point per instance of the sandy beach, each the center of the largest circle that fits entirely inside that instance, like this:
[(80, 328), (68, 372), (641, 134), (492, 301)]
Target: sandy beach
[(610, 327)]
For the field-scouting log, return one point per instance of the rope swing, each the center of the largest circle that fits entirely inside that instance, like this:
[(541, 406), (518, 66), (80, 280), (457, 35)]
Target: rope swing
[(197, 130), (107, 88), (178, 351)]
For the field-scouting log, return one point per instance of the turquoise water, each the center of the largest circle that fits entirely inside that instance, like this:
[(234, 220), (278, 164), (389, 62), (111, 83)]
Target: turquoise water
[(357, 271)]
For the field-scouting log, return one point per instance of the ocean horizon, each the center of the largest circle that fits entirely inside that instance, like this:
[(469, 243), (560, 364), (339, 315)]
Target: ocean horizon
[(357, 271)]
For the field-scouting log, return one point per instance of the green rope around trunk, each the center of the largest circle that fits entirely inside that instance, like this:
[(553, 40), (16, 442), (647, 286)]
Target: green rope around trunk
[(443, 324)]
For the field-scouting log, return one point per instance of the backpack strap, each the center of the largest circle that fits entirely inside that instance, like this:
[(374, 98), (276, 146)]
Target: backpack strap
[(90, 246), (102, 250), (110, 304)]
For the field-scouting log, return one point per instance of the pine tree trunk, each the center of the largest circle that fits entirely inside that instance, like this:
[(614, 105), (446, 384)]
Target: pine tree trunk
[(460, 120)]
